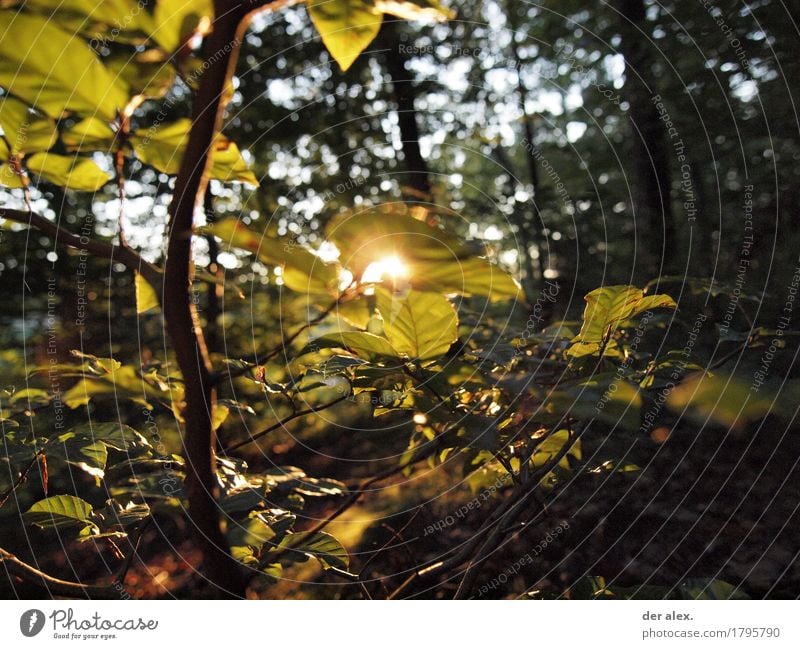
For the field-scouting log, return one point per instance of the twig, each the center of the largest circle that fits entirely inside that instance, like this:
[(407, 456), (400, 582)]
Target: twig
[(134, 551), (54, 587), (131, 259), (285, 342), (395, 535), (356, 493), (283, 422), (439, 567), (22, 478)]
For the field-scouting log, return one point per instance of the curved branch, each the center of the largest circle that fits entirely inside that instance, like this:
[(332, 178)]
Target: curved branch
[(220, 51), (131, 259), (283, 422), (54, 587)]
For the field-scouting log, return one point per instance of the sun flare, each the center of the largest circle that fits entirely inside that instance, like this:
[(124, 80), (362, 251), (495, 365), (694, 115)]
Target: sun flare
[(387, 268)]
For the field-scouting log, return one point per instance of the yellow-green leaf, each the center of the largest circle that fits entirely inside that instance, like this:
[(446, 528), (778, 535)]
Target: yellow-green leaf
[(606, 308), (90, 134), (421, 325), (177, 20), (435, 260), (552, 446), (53, 70), (162, 147), (80, 174), (471, 276), (60, 512), (25, 130), (121, 14), (149, 73), (303, 271), (365, 345), (346, 27), (725, 399), (146, 298), (9, 178)]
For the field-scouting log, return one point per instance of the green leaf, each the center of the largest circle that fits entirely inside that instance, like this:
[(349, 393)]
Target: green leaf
[(123, 382), (364, 345), (303, 271), (90, 134), (347, 27), (146, 298), (604, 397), (60, 512), (114, 435), (162, 147), (80, 451), (53, 70), (115, 515), (421, 325), (9, 178), (25, 130), (80, 174), (726, 399), (177, 20), (149, 73), (606, 308), (321, 546), (435, 259)]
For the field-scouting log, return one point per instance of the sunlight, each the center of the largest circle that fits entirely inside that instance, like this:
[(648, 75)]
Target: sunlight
[(391, 267)]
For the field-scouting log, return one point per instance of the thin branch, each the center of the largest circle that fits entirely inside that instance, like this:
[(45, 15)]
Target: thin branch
[(53, 586), (355, 493), (22, 478), (235, 372), (283, 422), (131, 259), (522, 493)]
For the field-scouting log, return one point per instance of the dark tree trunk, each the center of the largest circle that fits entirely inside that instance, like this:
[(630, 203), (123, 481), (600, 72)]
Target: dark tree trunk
[(649, 169), (404, 95), (181, 317), (532, 224)]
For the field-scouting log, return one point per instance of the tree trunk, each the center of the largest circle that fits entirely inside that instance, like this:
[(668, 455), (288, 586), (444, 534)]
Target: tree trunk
[(533, 225), (404, 95), (182, 321), (649, 169)]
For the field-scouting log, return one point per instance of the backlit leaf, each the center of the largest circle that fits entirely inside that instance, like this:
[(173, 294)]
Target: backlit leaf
[(176, 20), (421, 325), (606, 308), (53, 70), (365, 345), (146, 298), (90, 134), (25, 130), (80, 174), (60, 512), (346, 27), (162, 147)]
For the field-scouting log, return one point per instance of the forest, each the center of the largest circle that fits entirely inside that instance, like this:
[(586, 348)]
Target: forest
[(399, 299)]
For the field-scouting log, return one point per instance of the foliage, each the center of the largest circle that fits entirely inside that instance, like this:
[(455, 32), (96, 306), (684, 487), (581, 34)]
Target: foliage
[(394, 313)]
